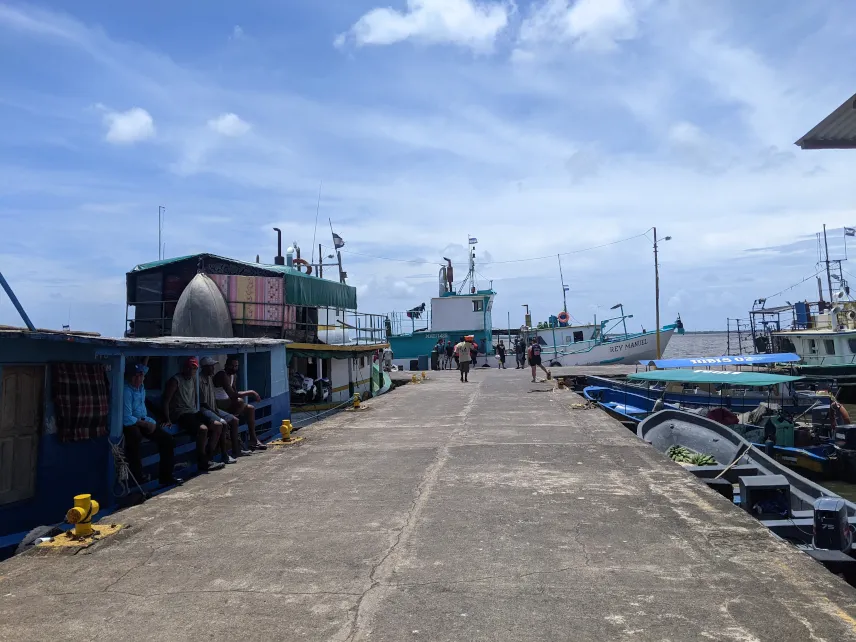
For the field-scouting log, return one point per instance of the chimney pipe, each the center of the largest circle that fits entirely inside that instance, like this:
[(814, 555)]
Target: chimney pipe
[(279, 259)]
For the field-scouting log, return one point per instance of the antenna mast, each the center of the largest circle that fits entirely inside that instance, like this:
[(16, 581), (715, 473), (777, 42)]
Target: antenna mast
[(564, 287)]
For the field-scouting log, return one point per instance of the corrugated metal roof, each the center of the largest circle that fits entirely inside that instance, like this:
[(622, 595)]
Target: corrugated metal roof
[(836, 131)]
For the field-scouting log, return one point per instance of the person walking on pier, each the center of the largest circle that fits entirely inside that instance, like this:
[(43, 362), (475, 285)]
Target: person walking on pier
[(535, 358), (520, 353), (463, 350), (450, 354), (500, 351)]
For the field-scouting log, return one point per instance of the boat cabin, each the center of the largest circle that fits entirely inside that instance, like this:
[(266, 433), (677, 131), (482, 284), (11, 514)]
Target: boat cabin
[(61, 415), (333, 345)]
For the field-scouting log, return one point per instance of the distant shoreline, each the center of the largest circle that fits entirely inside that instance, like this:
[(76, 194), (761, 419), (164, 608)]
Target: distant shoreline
[(706, 332)]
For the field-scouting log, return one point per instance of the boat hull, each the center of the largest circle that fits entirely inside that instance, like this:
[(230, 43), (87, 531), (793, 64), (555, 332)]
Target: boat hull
[(630, 409), (631, 350)]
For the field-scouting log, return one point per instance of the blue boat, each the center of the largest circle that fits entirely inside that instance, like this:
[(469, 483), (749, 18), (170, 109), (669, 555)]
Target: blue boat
[(631, 406), (739, 391)]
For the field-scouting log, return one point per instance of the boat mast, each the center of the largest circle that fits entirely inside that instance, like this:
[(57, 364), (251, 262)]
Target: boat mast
[(828, 273), (564, 287)]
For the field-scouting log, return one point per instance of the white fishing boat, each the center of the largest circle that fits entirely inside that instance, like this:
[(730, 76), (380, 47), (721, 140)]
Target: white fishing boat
[(601, 348)]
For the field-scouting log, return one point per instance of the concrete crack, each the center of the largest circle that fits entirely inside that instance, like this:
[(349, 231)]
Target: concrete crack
[(369, 600)]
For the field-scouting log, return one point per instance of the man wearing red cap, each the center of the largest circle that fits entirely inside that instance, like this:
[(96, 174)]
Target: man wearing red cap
[(181, 405)]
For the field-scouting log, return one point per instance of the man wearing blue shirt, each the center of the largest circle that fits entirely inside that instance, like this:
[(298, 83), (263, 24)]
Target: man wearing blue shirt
[(137, 424)]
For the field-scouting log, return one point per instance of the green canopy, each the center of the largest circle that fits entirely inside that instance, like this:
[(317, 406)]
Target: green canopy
[(733, 378)]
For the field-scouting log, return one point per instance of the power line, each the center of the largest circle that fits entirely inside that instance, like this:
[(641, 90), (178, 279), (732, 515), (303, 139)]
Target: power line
[(534, 258), (795, 284)]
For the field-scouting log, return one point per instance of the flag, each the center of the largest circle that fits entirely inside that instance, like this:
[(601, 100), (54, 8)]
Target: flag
[(337, 241), (850, 231), (566, 288), (473, 240)]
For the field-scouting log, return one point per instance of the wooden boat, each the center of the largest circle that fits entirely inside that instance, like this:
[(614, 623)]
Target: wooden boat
[(759, 477)]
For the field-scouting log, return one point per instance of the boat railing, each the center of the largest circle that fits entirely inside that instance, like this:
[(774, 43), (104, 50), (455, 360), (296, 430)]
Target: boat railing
[(298, 323)]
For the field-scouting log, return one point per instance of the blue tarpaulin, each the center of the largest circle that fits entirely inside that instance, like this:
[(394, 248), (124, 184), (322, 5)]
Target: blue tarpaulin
[(737, 360)]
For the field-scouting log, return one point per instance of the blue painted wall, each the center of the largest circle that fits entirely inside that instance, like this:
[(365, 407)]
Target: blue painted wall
[(64, 469)]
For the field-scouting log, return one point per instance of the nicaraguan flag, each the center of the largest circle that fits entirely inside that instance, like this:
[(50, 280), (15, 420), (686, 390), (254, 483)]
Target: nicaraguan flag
[(473, 240), (850, 231), (337, 241)]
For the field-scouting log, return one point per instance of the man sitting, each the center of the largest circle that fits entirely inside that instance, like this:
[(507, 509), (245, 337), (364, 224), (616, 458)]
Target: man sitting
[(209, 409), (230, 400), (137, 424), (180, 404)]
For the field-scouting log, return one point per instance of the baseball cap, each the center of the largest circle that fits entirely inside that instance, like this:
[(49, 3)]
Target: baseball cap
[(139, 368), (192, 362), (209, 361)]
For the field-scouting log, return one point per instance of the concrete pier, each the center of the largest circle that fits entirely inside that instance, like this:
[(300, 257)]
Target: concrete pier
[(493, 510)]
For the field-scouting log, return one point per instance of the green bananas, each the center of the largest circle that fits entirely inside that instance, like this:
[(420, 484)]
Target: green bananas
[(686, 456)]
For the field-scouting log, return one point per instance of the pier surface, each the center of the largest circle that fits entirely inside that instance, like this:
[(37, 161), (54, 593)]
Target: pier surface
[(493, 510)]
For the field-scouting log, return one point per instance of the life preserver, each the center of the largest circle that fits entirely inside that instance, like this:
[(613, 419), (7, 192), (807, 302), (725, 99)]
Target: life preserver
[(563, 317), (299, 262)]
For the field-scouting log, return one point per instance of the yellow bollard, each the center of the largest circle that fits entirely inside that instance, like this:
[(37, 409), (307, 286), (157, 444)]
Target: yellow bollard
[(81, 515), (285, 429), (356, 401), (413, 379), (424, 376)]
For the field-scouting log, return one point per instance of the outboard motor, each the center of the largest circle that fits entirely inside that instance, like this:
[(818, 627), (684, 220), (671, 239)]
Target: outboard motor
[(831, 528)]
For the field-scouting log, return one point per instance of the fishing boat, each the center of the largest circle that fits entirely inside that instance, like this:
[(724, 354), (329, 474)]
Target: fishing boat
[(459, 310), (603, 347), (822, 332), (737, 390), (814, 519)]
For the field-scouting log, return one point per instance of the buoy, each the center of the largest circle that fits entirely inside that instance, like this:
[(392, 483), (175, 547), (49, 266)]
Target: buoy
[(563, 317)]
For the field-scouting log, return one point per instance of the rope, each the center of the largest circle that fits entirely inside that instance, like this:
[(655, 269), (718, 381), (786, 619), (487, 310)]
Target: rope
[(123, 472), (323, 412)]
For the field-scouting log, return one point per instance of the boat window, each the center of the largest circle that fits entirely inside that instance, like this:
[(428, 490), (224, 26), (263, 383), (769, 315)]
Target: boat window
[(851, 343), (830, 346), (478, 305), (812, 346), (578, 335)]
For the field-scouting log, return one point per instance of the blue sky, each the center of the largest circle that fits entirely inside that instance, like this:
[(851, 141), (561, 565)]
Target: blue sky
[(540, 127)]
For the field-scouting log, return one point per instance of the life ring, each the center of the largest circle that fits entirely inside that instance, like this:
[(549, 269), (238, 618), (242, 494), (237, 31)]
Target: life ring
[(563, 317), (299, 262)]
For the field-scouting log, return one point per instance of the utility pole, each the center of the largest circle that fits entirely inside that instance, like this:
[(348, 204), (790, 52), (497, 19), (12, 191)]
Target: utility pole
[(564, 288), (161, 215), (657, 294), (828, 273)]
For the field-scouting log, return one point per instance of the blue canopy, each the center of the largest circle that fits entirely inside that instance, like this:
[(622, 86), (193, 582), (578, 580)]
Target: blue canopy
[(737, 360)]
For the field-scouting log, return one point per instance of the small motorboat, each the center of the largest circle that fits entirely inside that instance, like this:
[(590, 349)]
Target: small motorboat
[(813, 518)]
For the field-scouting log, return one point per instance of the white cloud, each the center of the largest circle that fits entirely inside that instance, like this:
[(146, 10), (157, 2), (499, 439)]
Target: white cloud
[(684, 133), (467, 23), (229, 125), (590, 24), (126, 127), (237, 33)]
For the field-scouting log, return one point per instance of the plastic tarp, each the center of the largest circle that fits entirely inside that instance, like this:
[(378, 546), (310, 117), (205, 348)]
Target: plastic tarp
[(311, 291), (733, 378), (736, 360)]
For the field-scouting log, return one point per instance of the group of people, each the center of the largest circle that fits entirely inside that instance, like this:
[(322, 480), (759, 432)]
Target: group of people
[(449, 353), (209, 415), (465, 355)]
